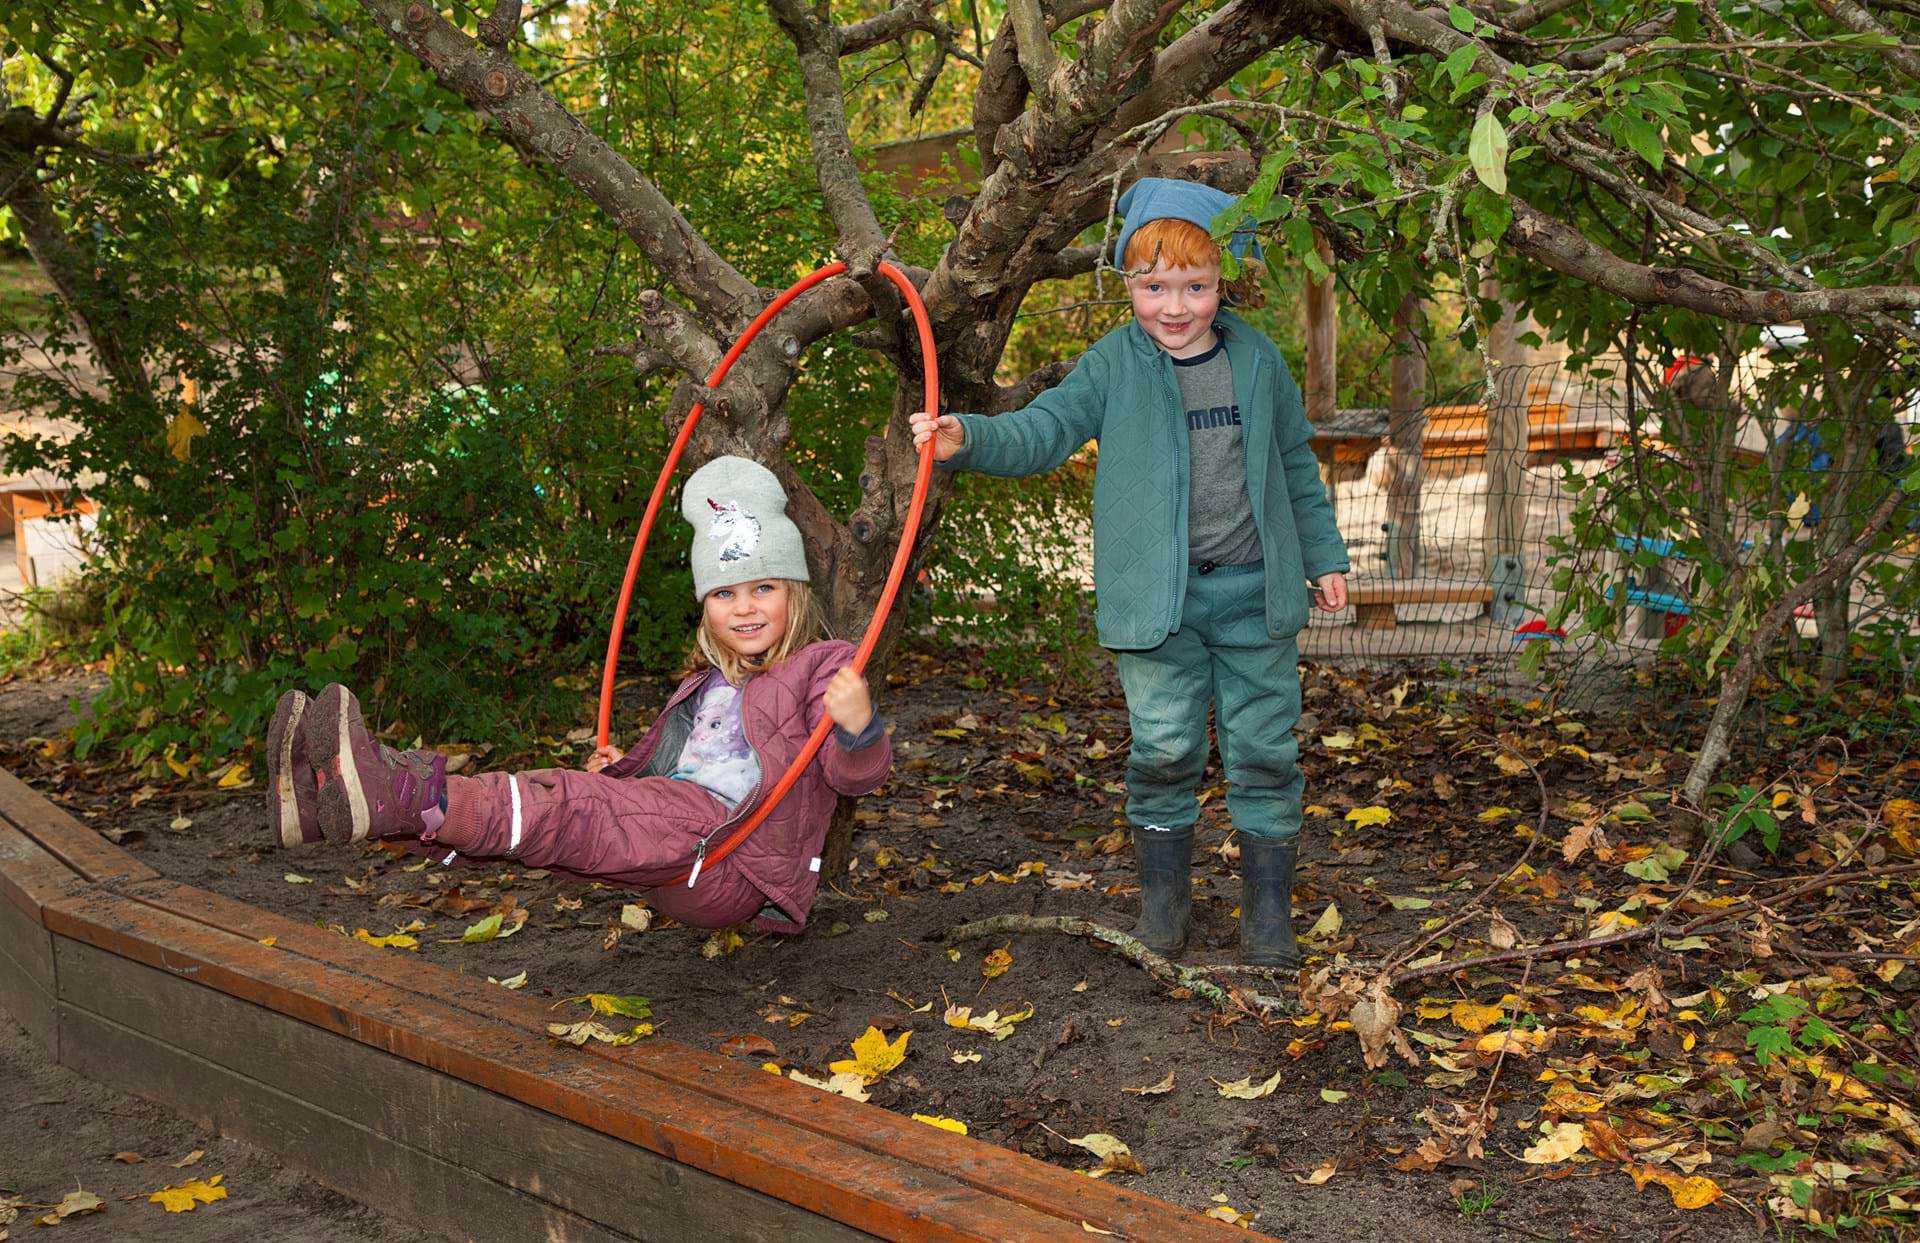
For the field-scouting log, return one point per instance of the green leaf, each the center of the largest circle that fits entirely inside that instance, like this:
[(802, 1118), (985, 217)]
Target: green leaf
[(1460, 60), (1769, 1042), (1639, 134), (1488, 151), (1461, 17)]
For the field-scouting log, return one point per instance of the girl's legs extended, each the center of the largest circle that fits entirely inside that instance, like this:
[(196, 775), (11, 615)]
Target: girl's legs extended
[(625, 830)]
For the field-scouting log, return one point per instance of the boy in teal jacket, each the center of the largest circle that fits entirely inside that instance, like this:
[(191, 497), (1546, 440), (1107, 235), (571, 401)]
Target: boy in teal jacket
[(1209, 520)]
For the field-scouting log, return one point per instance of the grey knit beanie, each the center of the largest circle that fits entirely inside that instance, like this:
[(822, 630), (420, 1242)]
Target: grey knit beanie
[(741, 531)]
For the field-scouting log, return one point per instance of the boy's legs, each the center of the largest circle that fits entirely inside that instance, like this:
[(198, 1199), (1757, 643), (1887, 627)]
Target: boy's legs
[(1256, 688), (1167, 691)]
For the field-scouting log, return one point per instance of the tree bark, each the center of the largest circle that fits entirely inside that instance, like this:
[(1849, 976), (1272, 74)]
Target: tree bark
[(1505, 511), (1322, 387), (1406, 435)]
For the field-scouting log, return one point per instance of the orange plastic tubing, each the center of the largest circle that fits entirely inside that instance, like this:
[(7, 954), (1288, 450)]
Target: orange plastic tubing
[(931, 401)]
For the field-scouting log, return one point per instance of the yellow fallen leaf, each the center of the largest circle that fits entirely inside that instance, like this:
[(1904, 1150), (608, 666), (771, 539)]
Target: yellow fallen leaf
[(511, 983), (873, 1056), (1327, 925), (1495, 814), (294, 878), (1228, 1214), (1475, 1018), (269, 942), (847, 1083), (1559, 1144), (1153, 1089), (1519, 1041), (1365, 816), (1691, 1192), (1320, 1175), (75, 1202), (235, 777), (996, 964), (186, 1197), (1246, 1089), (1511, 765), (396, 940), (962, 1057), (614, 1005), (723, 942), (992, 1022), (580, 1033), (945, 1124)]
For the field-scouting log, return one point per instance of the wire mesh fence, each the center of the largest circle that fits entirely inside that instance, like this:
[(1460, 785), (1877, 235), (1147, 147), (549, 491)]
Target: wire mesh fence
[(1627, 529)]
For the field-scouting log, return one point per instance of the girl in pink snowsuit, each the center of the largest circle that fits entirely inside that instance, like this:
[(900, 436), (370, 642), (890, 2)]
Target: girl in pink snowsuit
[(644, 818)]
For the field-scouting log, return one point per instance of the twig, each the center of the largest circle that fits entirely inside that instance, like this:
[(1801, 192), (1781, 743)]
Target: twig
[(1130, 948)]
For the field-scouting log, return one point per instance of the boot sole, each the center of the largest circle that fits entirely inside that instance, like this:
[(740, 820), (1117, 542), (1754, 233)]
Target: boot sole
[(343, 800), (281, 736)]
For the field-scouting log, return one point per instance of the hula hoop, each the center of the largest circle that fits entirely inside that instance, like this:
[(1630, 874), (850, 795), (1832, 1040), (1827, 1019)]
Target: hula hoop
[(894, 575)]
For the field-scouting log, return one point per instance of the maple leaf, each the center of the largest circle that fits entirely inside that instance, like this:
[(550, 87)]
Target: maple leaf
[(1365, 816), (873, 1056), (1468, 1016), (996, 964), (185, 1197), (580, 1033)]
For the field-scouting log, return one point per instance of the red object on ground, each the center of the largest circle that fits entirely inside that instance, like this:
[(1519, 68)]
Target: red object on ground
[(1675, 623), (930, 401)]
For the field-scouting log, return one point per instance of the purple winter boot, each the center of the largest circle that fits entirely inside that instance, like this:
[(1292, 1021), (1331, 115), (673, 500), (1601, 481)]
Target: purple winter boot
[(292, 793), (367, 790)]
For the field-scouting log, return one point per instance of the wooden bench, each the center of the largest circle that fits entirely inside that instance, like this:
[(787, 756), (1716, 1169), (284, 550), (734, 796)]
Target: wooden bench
[(1374, 602)]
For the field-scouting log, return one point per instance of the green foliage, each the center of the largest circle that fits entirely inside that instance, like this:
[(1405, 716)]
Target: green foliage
[(1748, 813), (407, 467)]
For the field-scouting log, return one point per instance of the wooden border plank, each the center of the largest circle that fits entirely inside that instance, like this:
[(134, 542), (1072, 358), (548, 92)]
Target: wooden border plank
[(405, 1182), (681, 1069), (29, 879), (73, 843), (633, 1192), (821, 1174)]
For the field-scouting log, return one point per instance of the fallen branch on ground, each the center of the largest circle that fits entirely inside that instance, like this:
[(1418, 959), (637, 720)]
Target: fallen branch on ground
[(1131, 949)]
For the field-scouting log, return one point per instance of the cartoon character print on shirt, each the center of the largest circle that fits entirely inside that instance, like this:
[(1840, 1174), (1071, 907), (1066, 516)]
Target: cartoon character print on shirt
[(734, 529), (716, 754)]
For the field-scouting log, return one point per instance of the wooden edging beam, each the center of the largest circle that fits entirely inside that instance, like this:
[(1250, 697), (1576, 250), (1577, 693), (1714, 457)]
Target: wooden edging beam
[(441, 1098)]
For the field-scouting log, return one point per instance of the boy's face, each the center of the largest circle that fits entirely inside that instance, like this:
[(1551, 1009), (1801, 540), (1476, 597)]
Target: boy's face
[(1176, 306)]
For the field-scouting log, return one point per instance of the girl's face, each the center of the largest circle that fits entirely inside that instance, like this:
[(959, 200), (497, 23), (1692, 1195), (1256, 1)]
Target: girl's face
[(748, 618), (1176, 306)]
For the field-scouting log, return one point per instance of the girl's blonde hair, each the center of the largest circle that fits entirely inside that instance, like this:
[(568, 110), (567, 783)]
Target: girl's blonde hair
[(804, 625), (1183, 244)]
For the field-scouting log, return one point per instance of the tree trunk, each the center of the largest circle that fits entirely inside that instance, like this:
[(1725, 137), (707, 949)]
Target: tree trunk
[(1406, 434), (1505, 513), (1323, 359)]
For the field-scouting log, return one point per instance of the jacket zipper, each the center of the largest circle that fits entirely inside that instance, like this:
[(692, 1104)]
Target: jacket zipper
[(1180, 483)]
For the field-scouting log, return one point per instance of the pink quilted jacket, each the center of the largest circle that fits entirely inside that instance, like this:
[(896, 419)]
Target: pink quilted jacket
[(779, 708)]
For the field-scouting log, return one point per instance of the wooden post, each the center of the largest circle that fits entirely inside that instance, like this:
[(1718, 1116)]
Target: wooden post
[(1406, 430), (1323, 349), (1506, 455)]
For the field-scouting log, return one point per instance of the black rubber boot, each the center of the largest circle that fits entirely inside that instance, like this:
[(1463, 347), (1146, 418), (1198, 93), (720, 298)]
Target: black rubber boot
[(1165, 857), (1266, 902)]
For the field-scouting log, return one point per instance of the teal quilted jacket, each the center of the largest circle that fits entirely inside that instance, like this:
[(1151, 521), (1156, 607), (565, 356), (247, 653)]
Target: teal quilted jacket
[(1123, 393)]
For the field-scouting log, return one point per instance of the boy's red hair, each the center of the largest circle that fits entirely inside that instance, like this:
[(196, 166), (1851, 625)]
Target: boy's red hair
[(1178, 243)]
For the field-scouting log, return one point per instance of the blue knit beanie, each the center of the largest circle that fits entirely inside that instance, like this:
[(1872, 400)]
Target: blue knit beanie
[(1166, 198)]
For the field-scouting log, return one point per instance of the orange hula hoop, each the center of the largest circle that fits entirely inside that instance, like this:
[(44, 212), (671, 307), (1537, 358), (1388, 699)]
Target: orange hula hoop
[(931, 402)]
